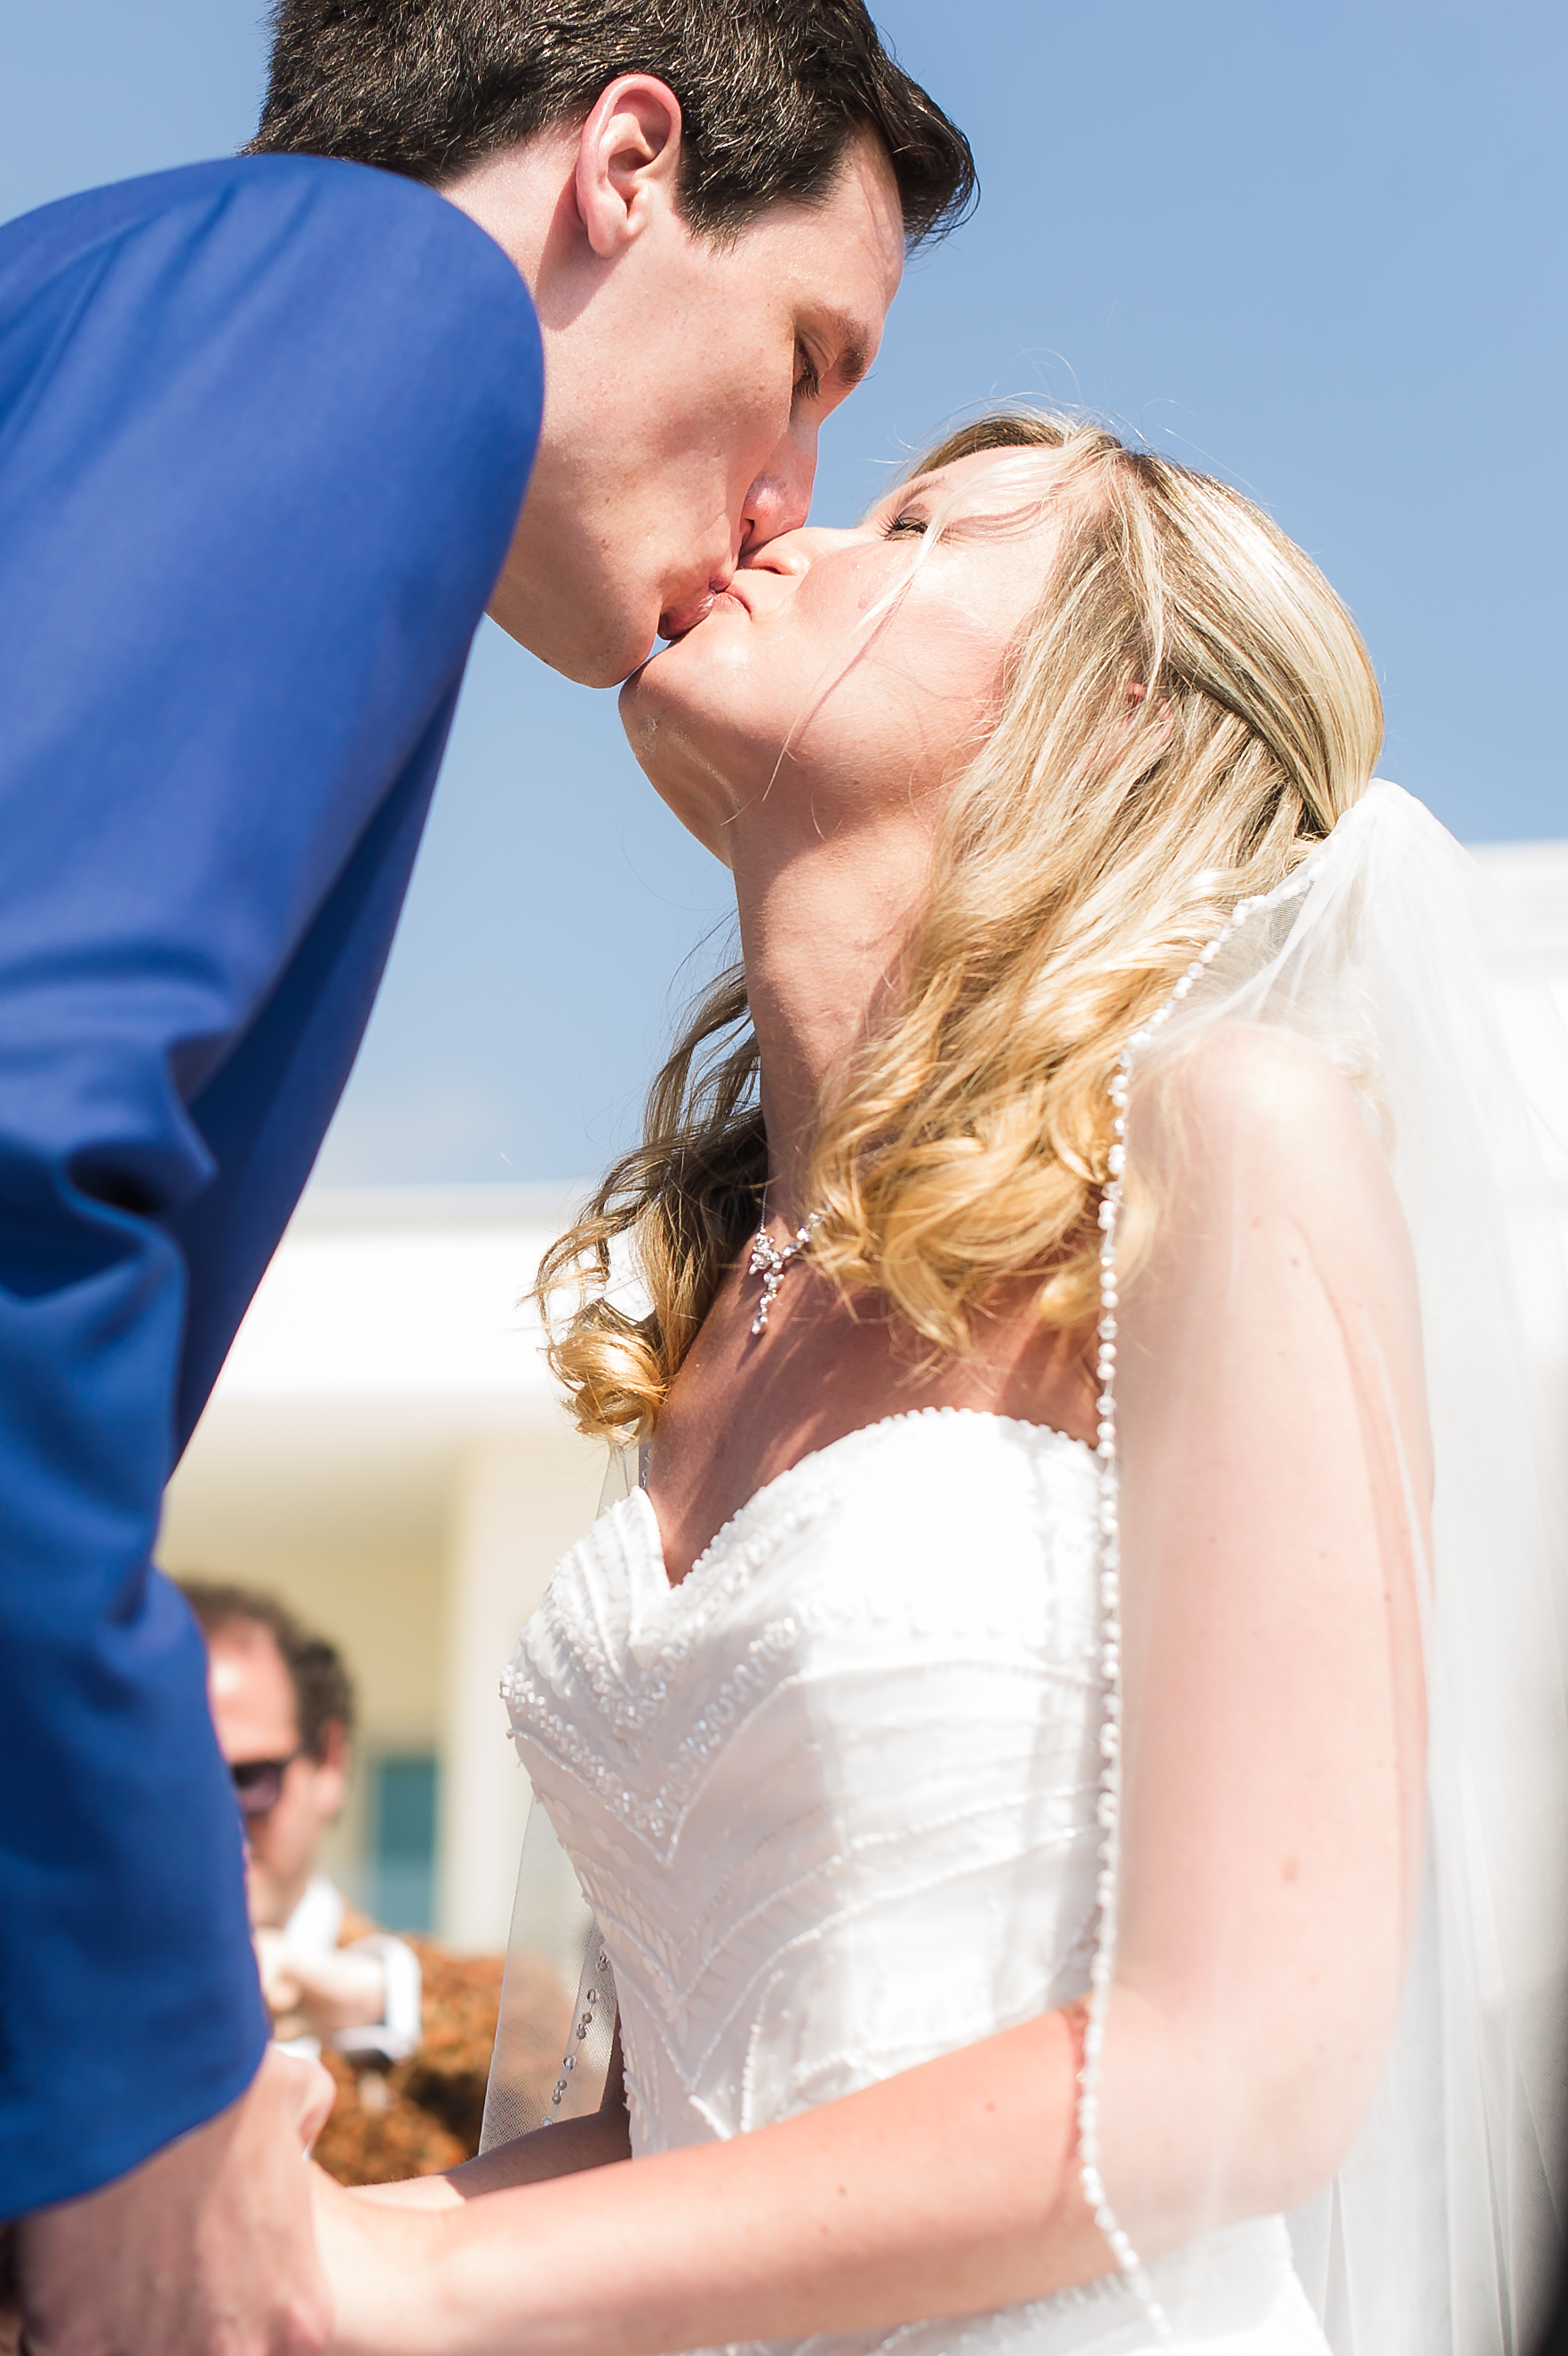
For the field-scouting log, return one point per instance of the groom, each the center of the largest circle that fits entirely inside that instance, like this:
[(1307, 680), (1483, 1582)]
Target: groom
[(265, 427)]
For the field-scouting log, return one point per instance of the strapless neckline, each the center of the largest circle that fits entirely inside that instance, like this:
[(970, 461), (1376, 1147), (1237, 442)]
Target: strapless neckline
[(734, 1530)]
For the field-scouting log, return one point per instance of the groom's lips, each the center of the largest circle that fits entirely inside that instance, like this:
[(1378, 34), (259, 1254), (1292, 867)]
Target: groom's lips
[(677, 620)]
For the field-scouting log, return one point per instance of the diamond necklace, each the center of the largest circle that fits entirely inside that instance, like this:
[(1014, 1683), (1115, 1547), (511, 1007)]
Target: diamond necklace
[(768, 1261)]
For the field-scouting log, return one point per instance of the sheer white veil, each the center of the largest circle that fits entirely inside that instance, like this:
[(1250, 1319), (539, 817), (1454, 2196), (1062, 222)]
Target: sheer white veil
[(1442, 2234)]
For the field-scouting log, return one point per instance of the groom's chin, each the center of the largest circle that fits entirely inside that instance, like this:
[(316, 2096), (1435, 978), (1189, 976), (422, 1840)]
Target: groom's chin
[(599, 651), (610, 668)]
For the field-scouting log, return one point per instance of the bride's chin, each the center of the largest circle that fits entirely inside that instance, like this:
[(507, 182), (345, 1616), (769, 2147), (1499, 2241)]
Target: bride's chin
[(665, 699), (651, 684)]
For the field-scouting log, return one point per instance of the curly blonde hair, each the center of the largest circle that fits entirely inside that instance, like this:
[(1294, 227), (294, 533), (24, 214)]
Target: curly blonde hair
[(1190, 709)]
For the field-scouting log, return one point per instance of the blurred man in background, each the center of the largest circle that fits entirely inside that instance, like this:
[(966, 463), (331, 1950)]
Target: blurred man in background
[(282, 1705), (410, 2075)]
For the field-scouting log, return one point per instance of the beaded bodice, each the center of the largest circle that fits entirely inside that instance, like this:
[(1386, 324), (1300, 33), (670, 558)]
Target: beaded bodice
[(834, 1798)]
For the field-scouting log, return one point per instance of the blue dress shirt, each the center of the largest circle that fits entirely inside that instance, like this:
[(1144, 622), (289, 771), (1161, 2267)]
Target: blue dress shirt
[(264, 429)]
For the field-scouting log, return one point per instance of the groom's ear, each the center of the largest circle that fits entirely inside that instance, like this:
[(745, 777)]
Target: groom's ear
[(628, 161)]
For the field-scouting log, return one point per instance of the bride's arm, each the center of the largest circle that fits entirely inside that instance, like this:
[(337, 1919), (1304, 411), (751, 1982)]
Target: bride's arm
[(1276, 1560), (1272, 1425), (946, 2189)]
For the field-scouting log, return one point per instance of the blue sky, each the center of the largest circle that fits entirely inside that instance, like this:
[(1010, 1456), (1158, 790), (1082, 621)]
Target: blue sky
[(1315, 245)]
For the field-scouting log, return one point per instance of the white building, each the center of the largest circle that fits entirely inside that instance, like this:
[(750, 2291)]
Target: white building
[(385, 1451)]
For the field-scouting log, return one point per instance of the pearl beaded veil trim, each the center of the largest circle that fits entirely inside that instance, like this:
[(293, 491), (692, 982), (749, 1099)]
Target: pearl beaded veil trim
[(1110, 1806)]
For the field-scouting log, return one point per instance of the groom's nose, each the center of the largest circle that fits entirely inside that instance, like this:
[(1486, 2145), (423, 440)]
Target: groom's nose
[(780, 498)]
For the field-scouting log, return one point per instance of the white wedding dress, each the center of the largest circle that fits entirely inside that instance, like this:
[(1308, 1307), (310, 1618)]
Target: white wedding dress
[(833, 1800)]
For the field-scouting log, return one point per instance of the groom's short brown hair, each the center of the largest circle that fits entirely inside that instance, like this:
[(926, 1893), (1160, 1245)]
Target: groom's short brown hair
[(771, 92)]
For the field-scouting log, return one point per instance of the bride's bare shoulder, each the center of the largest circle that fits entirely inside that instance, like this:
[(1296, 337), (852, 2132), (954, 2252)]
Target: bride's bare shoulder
[(1254, 1123), (1235, 1067), (1262, 1090)]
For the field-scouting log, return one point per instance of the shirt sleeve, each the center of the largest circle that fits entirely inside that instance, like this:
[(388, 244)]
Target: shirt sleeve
[(399, 2030), (265, 428)]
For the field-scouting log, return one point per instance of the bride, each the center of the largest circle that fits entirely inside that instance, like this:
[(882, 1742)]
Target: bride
[(1060, 1790)]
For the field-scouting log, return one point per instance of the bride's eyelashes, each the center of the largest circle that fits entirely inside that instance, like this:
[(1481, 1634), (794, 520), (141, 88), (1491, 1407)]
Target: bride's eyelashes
[(905, 524)]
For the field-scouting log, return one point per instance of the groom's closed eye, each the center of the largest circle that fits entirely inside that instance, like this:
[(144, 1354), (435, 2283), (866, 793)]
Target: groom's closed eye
[(853, 362), (833, 358)]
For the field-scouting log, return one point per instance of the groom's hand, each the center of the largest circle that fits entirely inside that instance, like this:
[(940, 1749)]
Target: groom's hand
[(204, 2250)]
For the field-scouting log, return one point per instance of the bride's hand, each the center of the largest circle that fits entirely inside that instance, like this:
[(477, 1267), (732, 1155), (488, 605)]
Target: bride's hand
[(408, 2192), (379, 2260)]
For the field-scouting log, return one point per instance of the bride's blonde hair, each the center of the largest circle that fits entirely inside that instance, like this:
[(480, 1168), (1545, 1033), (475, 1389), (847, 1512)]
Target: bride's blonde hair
[(1189, 711)]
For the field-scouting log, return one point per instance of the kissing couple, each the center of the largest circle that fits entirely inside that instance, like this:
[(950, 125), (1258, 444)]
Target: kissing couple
[(1065, 1735)]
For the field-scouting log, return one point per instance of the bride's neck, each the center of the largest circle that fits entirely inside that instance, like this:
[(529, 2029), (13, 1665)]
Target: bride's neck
[(822, 933)]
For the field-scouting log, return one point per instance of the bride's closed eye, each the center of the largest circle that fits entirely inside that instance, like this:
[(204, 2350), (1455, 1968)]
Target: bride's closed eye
[(906, 522)]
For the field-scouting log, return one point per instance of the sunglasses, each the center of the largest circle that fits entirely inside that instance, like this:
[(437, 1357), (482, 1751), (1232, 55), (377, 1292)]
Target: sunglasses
[(258, 1782)]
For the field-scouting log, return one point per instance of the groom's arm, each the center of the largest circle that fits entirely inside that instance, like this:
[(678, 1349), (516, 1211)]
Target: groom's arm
[(263, 432)]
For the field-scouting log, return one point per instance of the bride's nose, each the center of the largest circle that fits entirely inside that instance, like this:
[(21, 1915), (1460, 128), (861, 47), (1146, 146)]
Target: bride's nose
[(794, 551)]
